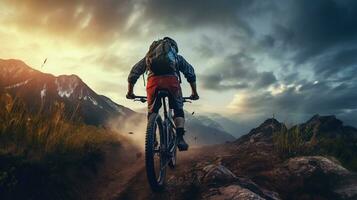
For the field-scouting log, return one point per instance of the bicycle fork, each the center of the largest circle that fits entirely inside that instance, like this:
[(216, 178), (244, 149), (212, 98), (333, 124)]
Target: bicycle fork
[(169, 139)]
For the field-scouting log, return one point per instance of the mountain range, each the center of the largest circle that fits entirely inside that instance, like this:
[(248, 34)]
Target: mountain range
[(41, 91), (203, 130)]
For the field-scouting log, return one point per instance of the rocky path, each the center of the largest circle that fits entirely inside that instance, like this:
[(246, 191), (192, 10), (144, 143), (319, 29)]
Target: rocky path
[(138, 188)]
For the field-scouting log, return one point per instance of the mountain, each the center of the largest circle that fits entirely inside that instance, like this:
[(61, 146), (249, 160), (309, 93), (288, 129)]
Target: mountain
[(327, 127), (42, 91), (234, 127), (202, 130), (320, 135)]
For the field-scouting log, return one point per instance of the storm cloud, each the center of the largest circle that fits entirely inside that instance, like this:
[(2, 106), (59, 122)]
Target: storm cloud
[(103, 21), (237, 72), (291, 58), (317, 27), (87, 21)]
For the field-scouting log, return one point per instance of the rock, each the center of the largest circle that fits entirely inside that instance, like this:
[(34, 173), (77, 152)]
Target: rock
[(315, 177), (307, 165), (234, 192), (253, 187), (217, 173), (347, 188), (216, 176)]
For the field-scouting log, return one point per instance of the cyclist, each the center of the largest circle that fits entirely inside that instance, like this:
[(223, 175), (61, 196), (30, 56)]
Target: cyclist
[(164, 65)]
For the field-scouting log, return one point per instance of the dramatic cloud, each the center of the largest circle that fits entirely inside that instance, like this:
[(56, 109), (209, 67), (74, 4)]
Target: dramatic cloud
[(105, 21), (188, 15), (292, 58), (314, 45), (298, 102), (87, 21), (316, 27), (342, 64), (237, 71)]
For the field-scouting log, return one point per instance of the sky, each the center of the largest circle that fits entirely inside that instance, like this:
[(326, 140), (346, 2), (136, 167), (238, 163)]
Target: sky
[(253, 58)]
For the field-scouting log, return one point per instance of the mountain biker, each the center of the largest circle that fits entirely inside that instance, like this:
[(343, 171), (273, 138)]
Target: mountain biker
[(164, 66)]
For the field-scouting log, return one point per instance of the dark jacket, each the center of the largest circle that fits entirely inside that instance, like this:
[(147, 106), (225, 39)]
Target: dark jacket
[(183, 66)]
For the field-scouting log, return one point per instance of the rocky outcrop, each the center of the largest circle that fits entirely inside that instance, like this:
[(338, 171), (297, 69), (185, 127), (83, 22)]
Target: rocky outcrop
[(314, 177), (263, 133), (216, 182), (232, 192), (216, 173), (306, 177), (303, 177), (327, 126)]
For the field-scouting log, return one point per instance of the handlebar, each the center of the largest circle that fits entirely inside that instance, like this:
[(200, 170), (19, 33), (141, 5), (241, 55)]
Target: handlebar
[(186, 99), (143, 99)]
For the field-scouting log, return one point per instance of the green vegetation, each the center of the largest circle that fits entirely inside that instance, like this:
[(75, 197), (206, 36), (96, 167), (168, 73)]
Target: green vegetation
[(289, 143), (298, 141), (45, 155)]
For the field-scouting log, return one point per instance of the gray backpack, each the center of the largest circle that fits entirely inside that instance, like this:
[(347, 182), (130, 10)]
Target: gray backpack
[(161, 59)]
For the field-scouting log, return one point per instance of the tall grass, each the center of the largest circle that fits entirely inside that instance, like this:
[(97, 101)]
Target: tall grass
[(45, 155), (290, 142), (297, 141)]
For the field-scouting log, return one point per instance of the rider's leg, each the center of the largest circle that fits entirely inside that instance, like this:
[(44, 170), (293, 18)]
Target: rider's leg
[(180, 129), (179, 122)]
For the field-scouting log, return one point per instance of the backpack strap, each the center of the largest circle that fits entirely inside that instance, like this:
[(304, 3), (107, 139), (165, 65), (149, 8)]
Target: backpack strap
[(178, 74), (144, 79)]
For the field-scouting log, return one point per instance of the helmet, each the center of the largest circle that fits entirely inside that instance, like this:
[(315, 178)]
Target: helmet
[(172, 42)]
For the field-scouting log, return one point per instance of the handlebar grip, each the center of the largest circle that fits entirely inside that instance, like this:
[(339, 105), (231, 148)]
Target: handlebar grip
[(140, 97)]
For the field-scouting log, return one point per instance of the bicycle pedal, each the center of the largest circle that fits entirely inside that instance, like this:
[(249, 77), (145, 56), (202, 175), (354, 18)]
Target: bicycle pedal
[(182, 148)]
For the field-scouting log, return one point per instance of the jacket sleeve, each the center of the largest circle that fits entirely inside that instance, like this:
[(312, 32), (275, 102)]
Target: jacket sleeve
[(137, 70), (186, 69)]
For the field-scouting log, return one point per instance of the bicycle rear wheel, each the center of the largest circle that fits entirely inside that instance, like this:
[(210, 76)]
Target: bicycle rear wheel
[(154, 153)]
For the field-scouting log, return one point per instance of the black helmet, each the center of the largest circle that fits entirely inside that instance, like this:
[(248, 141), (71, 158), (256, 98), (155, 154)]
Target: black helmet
[(172, 42)]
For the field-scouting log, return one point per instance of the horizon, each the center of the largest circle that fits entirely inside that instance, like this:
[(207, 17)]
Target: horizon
[(244, 129), (253, 59)]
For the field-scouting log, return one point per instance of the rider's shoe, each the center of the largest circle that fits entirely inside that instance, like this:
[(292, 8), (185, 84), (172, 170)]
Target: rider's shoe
[(181, 143)]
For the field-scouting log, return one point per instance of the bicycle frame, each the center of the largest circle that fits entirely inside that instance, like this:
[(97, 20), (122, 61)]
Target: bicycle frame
[(169, 127), (168, 122), (167, 147)]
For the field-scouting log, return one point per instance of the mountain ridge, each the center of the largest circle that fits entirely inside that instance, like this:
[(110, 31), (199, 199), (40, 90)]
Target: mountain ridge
[(41, 90)]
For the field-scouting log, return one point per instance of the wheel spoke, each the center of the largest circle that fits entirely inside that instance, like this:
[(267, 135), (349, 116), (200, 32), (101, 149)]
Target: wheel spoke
[(165, 164)]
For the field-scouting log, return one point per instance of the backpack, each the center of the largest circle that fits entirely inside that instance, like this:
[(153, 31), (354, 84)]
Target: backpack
[(161, 59)]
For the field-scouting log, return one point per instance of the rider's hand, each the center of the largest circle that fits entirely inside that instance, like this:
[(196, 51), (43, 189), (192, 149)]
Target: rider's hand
[(130, 95), (194, 96)]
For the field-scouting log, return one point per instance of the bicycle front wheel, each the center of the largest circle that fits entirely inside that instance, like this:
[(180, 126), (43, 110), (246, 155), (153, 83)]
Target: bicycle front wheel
[(172, 163), (155, 153)]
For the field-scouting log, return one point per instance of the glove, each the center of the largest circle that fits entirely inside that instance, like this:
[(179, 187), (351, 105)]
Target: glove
[(130, 95), (194, 96)]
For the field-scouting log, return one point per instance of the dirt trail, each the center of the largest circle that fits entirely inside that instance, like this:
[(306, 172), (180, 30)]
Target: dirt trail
[(120, 166), (124, 177), (138, 188)]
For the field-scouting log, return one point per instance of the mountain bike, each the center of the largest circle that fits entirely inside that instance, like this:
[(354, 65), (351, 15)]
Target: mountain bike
[(160, 141)]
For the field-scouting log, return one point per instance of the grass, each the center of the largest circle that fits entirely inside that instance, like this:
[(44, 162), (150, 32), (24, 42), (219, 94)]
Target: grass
[(289, 142), (46, 155), (297, 141)]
